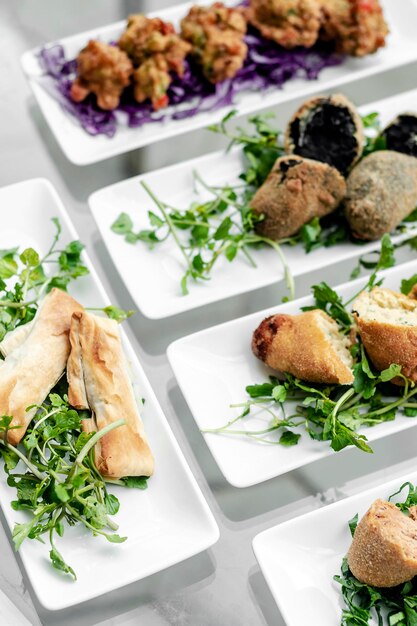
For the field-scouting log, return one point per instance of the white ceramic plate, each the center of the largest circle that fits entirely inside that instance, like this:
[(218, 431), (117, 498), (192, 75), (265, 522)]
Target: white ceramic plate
[(300, 557), (165, 524), (82, 149), (153, 276), (221, 356)]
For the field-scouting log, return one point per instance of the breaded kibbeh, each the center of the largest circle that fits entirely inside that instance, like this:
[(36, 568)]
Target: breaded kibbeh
[(381, 192), (295, 191), (384, 547)]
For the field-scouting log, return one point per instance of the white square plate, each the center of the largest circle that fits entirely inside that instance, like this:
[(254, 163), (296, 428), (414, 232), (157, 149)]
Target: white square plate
[(165, 524), (221, 356), (82, 149), (300, 557), (153, 276)]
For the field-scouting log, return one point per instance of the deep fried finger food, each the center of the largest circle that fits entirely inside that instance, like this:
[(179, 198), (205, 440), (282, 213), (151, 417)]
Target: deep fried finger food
[(156, 51), (401, 134), (387, 325), (381, 191), (290, 23), (216, 35), (384, 547), (328, 129), (36, 363), (98, 379), (103, 70), (309, 346), (295, 191), (357, 27)]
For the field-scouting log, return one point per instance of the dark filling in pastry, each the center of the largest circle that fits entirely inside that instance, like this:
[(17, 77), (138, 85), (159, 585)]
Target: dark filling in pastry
[(401, 135), (326, 133)]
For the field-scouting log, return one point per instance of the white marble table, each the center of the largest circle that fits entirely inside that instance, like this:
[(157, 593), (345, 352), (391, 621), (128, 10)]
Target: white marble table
[(223, 586)]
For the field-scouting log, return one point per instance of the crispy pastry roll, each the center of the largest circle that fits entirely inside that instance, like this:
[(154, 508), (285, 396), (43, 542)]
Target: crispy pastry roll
[(99, 380), (33, 367)]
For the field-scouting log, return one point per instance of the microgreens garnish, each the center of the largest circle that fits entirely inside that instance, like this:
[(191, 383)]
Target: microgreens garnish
[(24, 280), (55, 477), (392, 606), (220, 222), (331, 413)]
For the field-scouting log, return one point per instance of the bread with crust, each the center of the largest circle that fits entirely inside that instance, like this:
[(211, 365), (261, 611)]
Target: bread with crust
[(99, 380), (309, 346)]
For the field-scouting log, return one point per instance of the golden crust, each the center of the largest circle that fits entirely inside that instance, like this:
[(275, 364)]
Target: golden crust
[(384, 547), (98, 377), (387, 342), (32, 368), (296, 191), (298, 345)]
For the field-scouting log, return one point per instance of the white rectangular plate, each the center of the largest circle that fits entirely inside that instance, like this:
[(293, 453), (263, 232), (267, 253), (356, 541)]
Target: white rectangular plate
[(82, 149), (165, 524), (300, 557), (221, 356), (153, 276)]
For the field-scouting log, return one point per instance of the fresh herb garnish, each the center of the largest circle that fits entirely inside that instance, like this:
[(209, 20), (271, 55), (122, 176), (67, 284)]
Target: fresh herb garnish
[(25, 280), (331, 413), (392, 606), (220, 222), (61, 483)]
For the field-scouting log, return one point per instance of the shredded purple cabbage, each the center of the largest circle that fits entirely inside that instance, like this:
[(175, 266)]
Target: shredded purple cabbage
[(267, 65)]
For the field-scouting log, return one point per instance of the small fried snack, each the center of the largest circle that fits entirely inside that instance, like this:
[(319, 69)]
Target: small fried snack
[(103, 70), (309, 346), (216, 35), (387, 325), (384, 547), (295, 191)]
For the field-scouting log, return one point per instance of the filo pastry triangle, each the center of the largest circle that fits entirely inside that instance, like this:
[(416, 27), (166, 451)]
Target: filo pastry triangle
[(36, 358), (98, 379)]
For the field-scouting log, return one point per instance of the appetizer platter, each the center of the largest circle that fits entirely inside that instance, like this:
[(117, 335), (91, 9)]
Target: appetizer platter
[(237, 64), (337, 391), (78, 469), (316, 552), (132, 216)]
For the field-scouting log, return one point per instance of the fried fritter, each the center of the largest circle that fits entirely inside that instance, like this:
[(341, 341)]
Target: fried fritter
[(156, 51), (216, 35), (381, 191), (103, 70), (295, 191), (290, 23), (358, 27)]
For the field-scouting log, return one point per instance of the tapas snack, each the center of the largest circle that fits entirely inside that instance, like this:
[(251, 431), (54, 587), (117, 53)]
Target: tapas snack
[(32, 369), (296, 191), (328, 129), (381, 192), (69, 442), (219, 52), (401, 134), (384, 547), (98, 379), (309, 346)]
